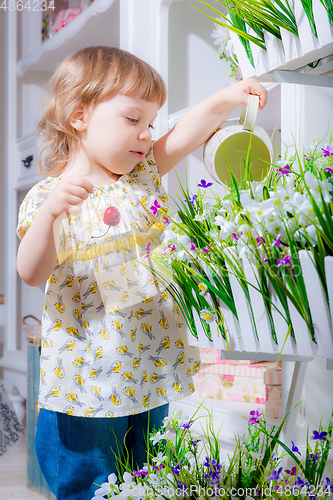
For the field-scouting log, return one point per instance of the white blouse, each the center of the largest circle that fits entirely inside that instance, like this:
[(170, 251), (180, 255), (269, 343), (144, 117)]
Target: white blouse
[(113, 342)]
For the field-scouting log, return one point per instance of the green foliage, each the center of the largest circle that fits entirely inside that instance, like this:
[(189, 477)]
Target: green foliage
[(257, 229), (179, 465)]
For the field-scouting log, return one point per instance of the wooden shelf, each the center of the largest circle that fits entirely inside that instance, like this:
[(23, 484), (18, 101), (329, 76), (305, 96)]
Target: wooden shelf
[(303, 78), (97, 25), (323, 68), (2, 314)]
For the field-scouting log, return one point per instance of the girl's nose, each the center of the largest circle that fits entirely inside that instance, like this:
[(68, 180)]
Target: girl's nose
[(145, 134)]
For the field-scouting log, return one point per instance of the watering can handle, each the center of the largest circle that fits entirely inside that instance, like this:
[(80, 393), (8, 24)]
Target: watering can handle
[(249, 112)]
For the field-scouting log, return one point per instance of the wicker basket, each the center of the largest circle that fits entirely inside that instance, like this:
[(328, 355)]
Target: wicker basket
[(32, 329)]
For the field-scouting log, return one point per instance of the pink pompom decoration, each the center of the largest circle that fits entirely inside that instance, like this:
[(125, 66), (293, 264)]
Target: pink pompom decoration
[(66, 16)]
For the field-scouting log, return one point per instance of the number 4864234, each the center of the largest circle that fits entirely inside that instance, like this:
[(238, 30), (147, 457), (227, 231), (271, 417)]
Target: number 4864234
[(33, 5)]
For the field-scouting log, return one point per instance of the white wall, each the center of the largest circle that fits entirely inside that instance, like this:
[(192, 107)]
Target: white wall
[(2, 170), (2, 145)]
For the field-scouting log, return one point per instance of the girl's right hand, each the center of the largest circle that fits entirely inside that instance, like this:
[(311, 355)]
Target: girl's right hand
[(65, 199)]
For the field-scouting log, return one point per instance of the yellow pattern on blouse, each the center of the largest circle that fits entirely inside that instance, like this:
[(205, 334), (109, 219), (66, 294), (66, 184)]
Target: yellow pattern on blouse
[(113, 341)]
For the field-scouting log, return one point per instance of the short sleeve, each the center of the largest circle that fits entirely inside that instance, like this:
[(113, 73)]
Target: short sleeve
[(29, 206)]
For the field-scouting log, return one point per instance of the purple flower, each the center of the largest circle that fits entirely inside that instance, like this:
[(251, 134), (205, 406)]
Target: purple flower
[(286, 261), (187, 426), (196, 442), (158, 467), (166, 220), (319, 437), (183, 488), (176, 469), (313, 458), (236, 235), (329, 484), (294, 448), (138, 473), (172, 248), (256, 416), (206, 249), (154, 208), (284, 170), (292, 472), (328, 151), (329, 169), (192, 245), (260, 240), (275, 475), (204, 184), (277, 242), (300, 483), (147, 249), (191, 200)]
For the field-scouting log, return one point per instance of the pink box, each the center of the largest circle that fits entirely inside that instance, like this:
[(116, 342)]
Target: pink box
[(273, 382)]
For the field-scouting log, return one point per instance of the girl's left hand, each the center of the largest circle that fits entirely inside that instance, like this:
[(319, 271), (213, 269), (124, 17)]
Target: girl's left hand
[(238, 92)]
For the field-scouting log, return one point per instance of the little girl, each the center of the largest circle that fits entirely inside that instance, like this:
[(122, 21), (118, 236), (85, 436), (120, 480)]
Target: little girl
[(114, 351)]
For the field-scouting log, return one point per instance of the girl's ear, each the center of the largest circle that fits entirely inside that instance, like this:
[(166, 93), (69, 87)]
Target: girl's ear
[(79, 119)]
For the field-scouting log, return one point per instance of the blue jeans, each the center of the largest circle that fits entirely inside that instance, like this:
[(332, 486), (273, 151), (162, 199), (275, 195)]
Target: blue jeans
[(76, 453)]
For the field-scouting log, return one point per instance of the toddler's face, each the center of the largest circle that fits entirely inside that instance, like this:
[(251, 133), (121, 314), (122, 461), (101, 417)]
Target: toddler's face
[(118, 133)]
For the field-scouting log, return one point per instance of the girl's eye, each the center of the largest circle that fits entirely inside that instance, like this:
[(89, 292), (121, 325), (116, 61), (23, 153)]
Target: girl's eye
[(132, 120), (151, 127)]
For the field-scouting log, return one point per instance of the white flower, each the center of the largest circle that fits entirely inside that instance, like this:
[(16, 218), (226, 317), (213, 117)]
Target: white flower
[(303, 210), (160, 458), (220, 220), (245, 198), (227, 205), (169, 236), (323, 162), (226, 229), (159, 436), (177, 416), (183, 240), (220, 35), (208, 316), (311, 230), (109, 487), (317, 187), (202, 217), (181, 255), (289, 186), (207, 207), (128, 480), (155, 480), (258, 189), (203, 288), (222, 39)]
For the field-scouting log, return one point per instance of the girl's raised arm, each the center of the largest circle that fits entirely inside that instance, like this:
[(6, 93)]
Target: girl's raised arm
[(201, 121), (37, 253)]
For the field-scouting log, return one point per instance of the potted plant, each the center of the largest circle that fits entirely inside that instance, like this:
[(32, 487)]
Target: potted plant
[(271, 35), (254, 268), (179, 465)]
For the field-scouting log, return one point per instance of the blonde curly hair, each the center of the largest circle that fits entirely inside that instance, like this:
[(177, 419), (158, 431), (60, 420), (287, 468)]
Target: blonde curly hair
[(86, 78)]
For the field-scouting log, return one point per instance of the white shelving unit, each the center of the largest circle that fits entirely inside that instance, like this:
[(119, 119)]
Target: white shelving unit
[(97, 25), (140, 26)]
